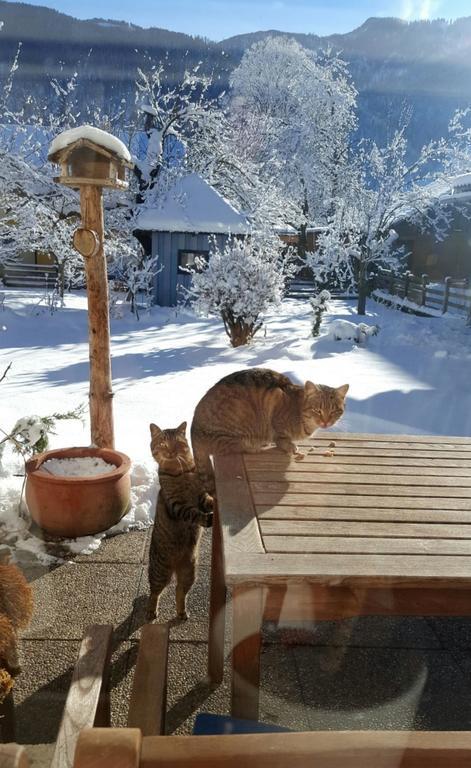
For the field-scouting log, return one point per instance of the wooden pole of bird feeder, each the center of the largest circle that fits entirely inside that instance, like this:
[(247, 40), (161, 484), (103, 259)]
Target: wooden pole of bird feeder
[(101, 393)]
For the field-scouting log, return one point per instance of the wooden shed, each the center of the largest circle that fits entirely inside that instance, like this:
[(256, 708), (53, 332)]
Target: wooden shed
[(450, 257), (192, 215)]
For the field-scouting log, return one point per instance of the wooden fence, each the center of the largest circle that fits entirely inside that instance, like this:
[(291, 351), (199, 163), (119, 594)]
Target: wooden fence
[(413, 293)]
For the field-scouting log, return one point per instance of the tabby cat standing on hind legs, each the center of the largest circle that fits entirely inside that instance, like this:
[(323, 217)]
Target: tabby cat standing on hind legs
[(183, 508), (255, 407)]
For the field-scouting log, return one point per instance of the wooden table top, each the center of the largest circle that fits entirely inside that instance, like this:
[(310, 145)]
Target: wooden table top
[(371, 510)]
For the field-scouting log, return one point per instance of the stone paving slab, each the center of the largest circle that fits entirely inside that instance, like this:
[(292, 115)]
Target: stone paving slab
[(452, 633), (281, 699), (196, 628), (188, 689), (41, 689), (123, 548), (383, 688), (73, 596)]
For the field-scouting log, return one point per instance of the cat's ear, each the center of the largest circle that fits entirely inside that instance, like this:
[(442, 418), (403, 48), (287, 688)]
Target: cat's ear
[(311, 389), (155, 431), (182, 428), (343, 390)]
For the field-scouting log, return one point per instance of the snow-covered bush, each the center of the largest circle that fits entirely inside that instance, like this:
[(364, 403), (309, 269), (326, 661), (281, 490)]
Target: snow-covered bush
[(30, 434), (240, 282), (319, 306), (344, 330)]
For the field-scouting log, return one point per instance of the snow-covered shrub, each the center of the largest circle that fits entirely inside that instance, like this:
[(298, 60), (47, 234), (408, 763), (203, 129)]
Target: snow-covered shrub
[(30, 434), (344, 330), (319, 306), (240, 282)]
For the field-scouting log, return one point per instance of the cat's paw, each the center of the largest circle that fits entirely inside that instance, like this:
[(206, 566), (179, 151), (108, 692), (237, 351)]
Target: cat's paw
[(206, 520), (298, 456)]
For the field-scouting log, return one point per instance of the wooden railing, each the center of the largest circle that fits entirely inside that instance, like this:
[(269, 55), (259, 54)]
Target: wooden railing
[(409, 290)]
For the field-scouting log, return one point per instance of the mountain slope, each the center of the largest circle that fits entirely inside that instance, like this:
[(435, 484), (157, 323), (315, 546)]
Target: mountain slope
[(425, 66)]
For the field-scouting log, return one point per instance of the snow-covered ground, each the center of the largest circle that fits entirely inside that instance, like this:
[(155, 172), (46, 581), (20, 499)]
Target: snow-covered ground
[(412, 378)]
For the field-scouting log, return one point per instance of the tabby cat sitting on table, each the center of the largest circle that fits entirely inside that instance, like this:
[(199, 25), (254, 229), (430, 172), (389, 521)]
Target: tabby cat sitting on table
[(250, 409)]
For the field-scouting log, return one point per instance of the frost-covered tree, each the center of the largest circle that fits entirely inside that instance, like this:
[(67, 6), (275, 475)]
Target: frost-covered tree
[(171, 115), (36, 213), (302, 105), (240, 282), (380, 187)]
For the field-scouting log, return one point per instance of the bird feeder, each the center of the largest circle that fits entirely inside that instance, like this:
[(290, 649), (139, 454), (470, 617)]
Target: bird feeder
[(89, 160)]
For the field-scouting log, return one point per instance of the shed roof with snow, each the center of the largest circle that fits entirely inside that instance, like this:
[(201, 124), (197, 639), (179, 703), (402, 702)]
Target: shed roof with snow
[(193, 205)]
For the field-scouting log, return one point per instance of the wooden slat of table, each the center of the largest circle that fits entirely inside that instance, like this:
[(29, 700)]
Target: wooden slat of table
[(320, 465), (239, 522), (361, 437), (399, 452), (322, 499), (404, 440), (295, 477), (311, 487), (372, 513), (367, 545), (367, 529), (355, 570)]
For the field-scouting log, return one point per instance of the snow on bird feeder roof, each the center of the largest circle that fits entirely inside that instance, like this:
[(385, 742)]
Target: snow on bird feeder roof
[(94, 135), (193, 205)]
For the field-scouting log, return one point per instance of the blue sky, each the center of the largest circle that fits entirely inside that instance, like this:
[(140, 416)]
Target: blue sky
[(218, 19)]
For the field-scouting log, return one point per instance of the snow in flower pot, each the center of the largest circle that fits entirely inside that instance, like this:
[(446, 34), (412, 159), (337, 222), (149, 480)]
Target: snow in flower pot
[(74, 492)]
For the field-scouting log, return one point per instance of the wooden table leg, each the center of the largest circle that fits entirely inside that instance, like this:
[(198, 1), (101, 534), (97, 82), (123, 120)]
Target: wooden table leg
[(247, 607), (217, 607)]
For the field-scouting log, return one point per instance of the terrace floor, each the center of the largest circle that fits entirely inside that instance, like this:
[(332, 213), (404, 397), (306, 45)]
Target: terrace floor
[(357, 674)]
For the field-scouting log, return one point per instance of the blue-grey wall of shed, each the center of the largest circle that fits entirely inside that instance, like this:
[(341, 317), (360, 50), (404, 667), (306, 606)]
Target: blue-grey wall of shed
[(166, 246)]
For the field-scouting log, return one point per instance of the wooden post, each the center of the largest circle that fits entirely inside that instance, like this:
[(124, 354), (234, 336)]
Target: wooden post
[(101, 394), (446, 295), (407, 278), (424, 290)]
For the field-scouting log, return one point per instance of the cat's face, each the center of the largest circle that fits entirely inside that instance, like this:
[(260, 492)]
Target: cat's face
[(170, 449), (323, 405)]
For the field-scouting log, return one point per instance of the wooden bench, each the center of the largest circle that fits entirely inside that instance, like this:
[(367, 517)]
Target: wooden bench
[(127, 748), (88, 699)]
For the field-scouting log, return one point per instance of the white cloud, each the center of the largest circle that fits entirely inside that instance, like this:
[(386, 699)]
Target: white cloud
[(419, 9)]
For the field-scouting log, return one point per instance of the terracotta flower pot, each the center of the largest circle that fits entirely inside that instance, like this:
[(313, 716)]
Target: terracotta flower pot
[(78, 506)]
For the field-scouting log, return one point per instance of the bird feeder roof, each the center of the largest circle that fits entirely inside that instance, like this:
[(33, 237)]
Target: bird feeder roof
[(88, 135)]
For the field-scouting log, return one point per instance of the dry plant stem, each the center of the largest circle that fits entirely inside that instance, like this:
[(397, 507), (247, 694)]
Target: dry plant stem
[(4, 374)]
